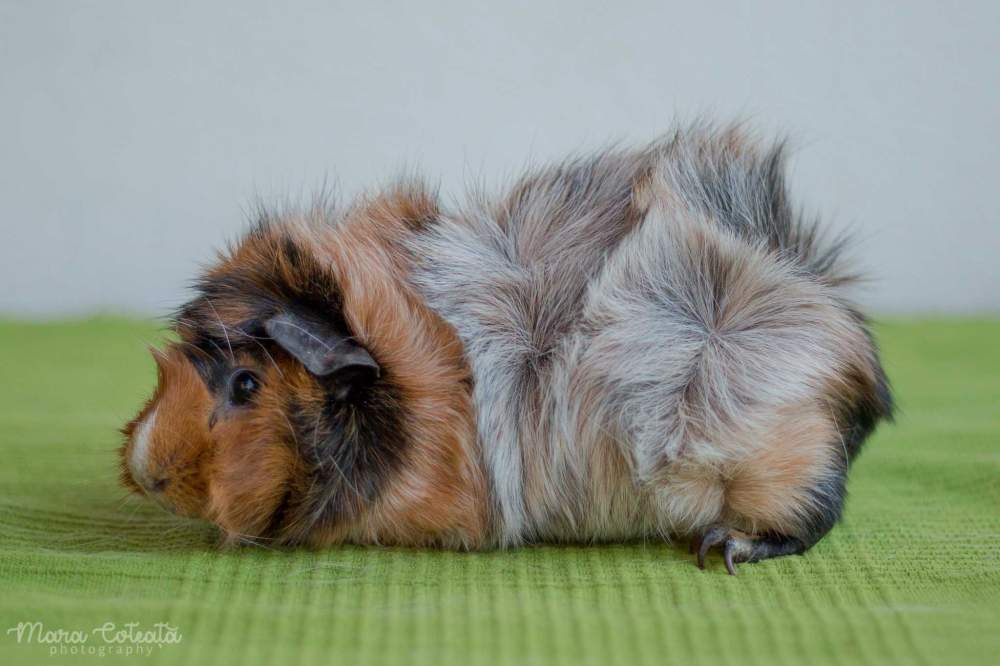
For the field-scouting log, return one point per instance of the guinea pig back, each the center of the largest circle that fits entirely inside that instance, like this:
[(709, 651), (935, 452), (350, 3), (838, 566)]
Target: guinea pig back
[(644, 343)]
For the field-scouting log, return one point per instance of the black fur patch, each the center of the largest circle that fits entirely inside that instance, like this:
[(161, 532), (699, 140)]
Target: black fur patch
[(827, 506), (351, 450), (858, 420)]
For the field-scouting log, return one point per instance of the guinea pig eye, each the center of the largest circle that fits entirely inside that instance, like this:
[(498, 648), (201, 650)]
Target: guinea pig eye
[(242, 386)]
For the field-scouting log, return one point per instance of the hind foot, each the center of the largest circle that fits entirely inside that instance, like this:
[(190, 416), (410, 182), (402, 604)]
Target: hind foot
[(742, 547)]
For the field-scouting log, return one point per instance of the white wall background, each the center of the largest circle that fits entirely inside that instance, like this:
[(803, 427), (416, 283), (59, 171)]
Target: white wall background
[(133, 135)]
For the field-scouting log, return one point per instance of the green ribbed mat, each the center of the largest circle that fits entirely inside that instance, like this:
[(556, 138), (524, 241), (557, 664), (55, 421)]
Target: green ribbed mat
[(912, 575)]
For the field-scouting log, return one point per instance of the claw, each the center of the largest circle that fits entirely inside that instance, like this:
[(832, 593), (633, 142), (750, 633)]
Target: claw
[(728, 556), (711, 538), (719, 536), (738, 546)]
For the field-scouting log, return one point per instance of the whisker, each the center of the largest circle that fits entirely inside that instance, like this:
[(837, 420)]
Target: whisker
[(268, 354), (336, 465), (225, 331)]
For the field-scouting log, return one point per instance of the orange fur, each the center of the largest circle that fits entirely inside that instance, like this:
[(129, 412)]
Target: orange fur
[(237, 471), (758, 480), (254, 462), (180, 439), (441, 490), (769, 489)]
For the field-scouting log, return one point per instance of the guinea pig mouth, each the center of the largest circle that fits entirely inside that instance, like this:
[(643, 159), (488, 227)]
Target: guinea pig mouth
[(160, 499), (152, 489), (154, 492), (159, 493)]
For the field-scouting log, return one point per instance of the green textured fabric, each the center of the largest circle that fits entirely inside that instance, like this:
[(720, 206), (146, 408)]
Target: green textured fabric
[(911, 576)]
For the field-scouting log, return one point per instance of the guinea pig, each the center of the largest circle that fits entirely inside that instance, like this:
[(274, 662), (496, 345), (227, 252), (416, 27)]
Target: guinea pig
[(645, 343)]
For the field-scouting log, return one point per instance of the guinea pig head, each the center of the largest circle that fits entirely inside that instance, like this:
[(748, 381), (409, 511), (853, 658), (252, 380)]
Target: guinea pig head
[(310, 399), (220, 437)]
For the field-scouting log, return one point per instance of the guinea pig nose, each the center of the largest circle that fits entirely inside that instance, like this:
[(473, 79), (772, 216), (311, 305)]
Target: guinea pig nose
[(156, 485)]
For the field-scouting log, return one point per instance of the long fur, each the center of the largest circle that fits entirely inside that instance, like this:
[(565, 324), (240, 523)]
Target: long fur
[(640, 324), (645, 342)]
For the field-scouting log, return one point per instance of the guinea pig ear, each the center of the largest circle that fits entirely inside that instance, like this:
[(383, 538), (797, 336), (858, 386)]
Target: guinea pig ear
[(324, 351)]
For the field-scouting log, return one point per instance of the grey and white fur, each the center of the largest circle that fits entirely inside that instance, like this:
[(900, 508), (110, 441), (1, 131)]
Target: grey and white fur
[(660, 345)]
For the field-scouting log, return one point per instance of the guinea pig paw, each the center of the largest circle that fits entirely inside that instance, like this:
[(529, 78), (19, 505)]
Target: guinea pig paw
[(742, 547), (736, 546)]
